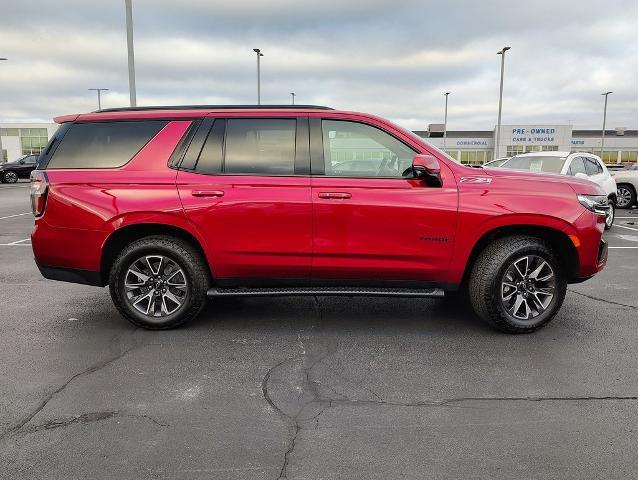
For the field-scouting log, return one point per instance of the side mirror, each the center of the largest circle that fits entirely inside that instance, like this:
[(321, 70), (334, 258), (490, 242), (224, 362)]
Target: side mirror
[(581, 175), (427, 168), (21, 162)]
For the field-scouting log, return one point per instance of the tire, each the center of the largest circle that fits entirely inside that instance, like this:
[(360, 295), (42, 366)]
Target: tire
[(495, 265), (609, 219), (178, 291), (626, 195), (9, 177)]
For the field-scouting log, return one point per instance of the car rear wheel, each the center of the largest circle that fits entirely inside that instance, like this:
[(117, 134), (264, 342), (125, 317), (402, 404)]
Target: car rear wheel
[(517, 285), (10, 177), (626, 196), (159, 282)]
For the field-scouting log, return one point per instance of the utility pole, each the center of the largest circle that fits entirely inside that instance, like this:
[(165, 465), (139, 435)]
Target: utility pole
[(500, 102), (131, 53), (447, 94), (1, 150), (259, 54), (602, 137), (99, 96)]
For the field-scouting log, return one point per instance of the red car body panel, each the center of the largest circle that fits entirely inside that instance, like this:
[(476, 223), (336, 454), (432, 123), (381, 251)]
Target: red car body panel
[(259, 227), (284, 227)]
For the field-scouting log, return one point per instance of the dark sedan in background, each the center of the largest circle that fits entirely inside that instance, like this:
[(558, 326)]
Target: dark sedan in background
[(10, 172)]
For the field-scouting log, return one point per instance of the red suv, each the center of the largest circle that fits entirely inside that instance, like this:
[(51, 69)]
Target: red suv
[(170, 205)]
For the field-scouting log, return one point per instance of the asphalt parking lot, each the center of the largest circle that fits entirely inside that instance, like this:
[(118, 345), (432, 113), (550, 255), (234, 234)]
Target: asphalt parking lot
[(310, 388)]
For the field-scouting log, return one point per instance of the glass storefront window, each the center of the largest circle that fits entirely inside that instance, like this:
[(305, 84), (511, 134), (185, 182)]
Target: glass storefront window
[(9, 132), (33, 140), (629, 156), (609, 156)]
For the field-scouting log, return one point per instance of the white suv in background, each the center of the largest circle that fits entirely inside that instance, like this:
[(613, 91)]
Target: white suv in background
[(576, 164)]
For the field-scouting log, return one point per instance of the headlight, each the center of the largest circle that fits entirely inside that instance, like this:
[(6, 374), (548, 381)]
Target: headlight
[(595, 203)]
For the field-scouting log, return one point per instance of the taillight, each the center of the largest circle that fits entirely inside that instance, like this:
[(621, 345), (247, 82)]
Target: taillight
[(39, 189)]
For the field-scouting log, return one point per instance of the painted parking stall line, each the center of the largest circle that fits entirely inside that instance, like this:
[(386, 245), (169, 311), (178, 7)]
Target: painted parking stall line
[(17, 243), (628, 228), (15, 215)]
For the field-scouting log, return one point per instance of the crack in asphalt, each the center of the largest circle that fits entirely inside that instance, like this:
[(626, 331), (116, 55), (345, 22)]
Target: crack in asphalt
[(87, 418), (44, 402), (331, 397), (611, 302)]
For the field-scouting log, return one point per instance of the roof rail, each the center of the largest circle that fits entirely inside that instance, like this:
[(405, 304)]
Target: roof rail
[(212, 107)]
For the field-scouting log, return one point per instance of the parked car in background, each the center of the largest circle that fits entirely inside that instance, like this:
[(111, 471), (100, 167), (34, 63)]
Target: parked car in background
[(575, 164), (495, 163), (169, 206), (627, 186), (10, 172)]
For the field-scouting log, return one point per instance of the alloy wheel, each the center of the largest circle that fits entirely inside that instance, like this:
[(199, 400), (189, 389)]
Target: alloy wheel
[(156, 286), (10, 177), (623, 195), (527, 287)]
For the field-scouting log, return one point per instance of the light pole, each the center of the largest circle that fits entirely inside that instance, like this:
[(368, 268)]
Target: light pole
[(99, 96), (445, 121), (500, 102), (259, 54), (1, 150), (602, 138), (131, 53), (293, 95)]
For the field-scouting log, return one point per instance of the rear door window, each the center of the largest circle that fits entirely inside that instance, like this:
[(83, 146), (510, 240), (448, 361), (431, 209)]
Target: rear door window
[(260, 146), (103, 144), (577, 166), (592, 166)]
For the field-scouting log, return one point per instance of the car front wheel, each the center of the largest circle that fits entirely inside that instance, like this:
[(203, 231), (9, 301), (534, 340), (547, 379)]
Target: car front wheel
[(517, 285), (611, 214), (159, 282)]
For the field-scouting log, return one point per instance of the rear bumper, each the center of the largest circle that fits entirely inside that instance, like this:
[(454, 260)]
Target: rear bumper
[(67, 248), (73, 275)]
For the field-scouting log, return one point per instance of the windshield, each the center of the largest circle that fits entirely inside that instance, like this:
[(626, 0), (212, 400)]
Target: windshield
[(536, 163)]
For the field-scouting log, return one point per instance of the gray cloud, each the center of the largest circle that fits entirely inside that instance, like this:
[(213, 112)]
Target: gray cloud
[(390, 58)]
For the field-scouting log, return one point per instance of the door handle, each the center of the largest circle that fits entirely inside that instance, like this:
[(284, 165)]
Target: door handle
[(335, 195), (207, 193)]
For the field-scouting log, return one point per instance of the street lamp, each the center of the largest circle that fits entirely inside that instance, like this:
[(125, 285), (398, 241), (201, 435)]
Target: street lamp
[(259, 54), (293, 95), (445, 121), (602, 138), (99, 96), (131, 53), (500, 101), (1, 150)]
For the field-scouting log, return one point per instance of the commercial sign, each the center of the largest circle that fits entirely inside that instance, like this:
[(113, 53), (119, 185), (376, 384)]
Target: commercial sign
[(533, 135)]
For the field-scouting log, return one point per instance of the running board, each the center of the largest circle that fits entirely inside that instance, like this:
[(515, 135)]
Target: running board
[(325, 291)]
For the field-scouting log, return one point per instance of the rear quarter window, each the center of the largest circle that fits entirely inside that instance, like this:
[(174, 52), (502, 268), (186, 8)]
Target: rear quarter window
[(103, 144)]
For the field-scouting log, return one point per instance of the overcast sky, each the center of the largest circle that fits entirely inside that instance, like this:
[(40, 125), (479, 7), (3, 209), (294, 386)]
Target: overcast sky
[(392, 58)]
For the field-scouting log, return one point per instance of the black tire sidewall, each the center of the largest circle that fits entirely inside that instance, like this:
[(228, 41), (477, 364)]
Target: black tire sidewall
[(612, 204), (196, 291), (561, 288)]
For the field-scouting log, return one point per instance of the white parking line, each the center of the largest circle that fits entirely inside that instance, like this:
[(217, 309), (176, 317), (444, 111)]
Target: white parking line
[(628, 228), (16, 215), (12, 244), (621, 247)]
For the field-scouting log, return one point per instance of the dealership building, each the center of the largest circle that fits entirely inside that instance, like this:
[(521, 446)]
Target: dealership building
[(478, 146), (467, 146)]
